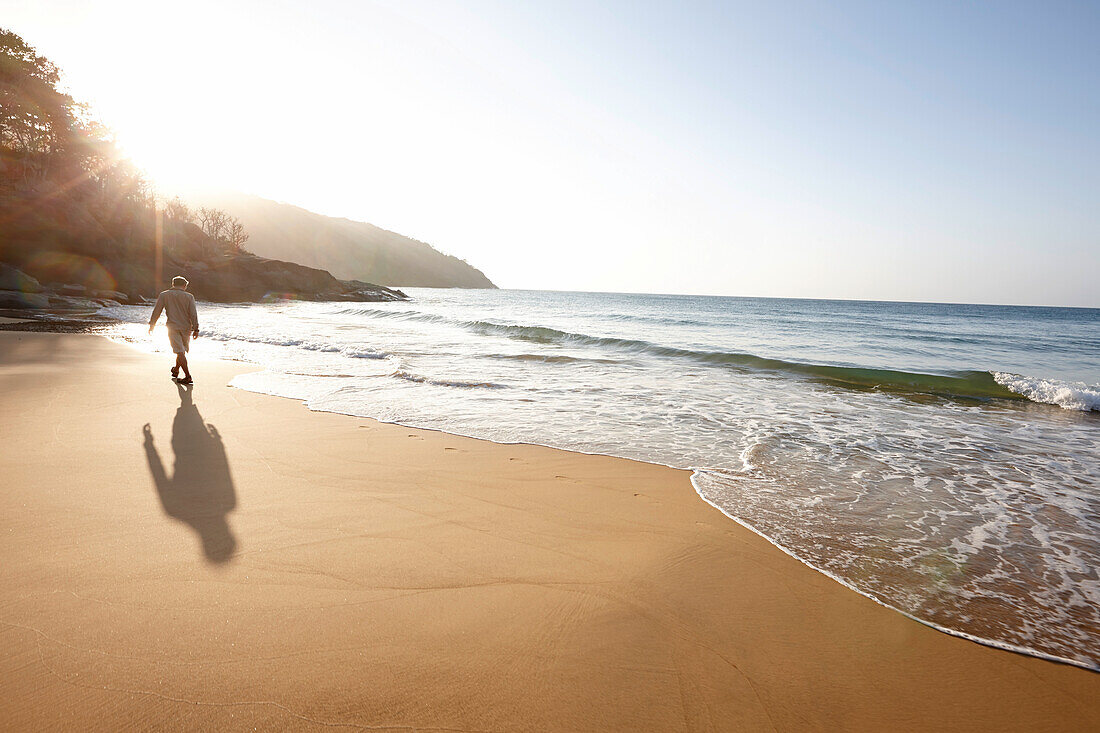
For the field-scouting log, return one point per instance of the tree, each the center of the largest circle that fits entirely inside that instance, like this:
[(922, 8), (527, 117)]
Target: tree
[(37, 124), (223, 229), (179, 211), (213, 222), (44, 134), (236, 236)]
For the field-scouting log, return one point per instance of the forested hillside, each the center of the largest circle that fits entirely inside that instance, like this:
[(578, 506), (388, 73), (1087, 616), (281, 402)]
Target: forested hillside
[(80, 226)]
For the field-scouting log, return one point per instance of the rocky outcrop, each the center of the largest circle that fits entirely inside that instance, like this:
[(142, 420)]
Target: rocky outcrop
[(75, 252), (18, 300), (250, 278), (20, 291), (361, 291), (245, 278), (13, 279)]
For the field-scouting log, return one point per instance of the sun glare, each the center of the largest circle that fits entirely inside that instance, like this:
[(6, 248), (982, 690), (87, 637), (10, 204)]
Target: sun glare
[(167, 167)]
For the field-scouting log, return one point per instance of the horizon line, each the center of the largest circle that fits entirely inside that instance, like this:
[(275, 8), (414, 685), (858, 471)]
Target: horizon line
[(762, 297)]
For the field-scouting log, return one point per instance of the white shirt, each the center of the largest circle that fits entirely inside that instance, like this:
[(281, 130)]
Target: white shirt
[(179, 307)]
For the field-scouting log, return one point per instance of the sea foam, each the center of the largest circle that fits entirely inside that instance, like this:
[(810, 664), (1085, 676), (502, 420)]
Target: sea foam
[(1067, 395)]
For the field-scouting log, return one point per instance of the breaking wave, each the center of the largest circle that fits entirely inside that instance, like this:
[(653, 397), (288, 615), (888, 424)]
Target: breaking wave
[(1067, 395)]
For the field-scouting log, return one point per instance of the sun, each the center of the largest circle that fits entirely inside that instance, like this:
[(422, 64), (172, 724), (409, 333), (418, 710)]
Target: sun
[(167, 166)]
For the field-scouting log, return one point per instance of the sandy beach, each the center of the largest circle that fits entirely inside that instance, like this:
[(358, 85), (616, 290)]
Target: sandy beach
[(217, 559)]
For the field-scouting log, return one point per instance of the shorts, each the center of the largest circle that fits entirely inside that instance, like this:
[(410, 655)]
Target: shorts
[(180, 340)]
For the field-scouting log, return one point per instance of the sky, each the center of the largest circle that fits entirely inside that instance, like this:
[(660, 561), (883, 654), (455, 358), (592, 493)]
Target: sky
[(927, 151)]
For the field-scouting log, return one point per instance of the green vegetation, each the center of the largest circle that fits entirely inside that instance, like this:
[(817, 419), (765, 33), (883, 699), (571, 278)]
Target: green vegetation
[(79, 222), (72, 209)]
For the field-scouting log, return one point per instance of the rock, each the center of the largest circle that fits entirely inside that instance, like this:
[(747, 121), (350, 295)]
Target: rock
[(250, 278), (109, 295), (18, 300), (368, 292), (71, 303), (13, 279), (224, 279)]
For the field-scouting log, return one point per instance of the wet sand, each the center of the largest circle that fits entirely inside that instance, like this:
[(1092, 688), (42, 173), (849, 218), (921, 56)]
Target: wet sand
[(244, 563)]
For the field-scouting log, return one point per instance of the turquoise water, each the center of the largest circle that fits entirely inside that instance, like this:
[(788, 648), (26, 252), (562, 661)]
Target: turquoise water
[(942, 459)]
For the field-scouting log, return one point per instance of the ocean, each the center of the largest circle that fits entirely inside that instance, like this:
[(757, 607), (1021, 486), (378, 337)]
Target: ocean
[(941, 459)]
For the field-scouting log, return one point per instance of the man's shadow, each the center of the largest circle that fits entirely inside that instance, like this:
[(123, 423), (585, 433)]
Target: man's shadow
[(200, 491)]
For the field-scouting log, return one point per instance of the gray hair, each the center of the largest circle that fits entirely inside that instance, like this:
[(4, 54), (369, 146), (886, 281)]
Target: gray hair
[(179, 281)]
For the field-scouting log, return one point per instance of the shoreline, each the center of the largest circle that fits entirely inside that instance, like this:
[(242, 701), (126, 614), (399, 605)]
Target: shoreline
[(95, 327), (982, 641), (692, 472), (755, 636)]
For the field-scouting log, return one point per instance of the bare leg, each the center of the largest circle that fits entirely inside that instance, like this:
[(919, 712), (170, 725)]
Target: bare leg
[(181, 363)]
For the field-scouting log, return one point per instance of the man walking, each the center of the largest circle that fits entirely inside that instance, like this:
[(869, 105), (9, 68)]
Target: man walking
[(183, 323)]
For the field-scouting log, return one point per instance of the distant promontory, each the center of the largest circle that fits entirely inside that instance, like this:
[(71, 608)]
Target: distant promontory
[(346, 248)]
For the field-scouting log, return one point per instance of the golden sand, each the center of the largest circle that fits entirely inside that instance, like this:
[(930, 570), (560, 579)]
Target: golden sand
[(246, 563)]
